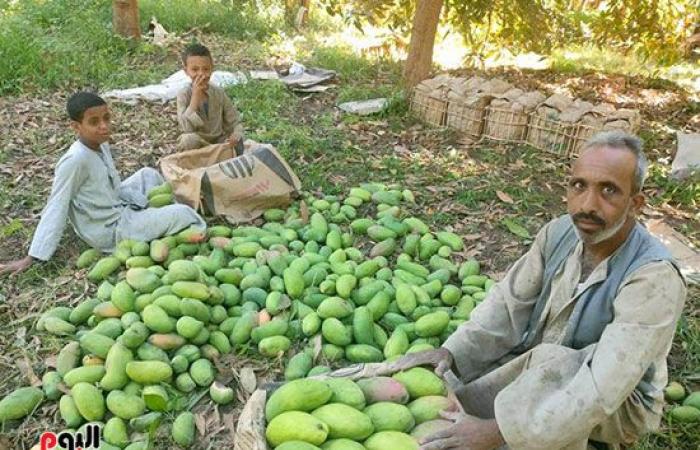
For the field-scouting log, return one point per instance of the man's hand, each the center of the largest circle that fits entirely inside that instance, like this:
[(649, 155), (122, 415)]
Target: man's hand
[(440, 358), (16, 267), (468, 433)]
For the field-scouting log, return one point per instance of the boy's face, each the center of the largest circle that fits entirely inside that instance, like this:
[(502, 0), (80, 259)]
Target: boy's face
[(94, 129), (198, 66)]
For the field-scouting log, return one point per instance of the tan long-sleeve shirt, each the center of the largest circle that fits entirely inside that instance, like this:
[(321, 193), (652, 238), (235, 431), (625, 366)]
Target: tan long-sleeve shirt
[(566, 399), (213, 123)]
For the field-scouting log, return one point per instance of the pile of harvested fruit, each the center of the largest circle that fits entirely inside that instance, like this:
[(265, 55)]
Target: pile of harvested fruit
[(374, 413), (689, 409), (356, 276)]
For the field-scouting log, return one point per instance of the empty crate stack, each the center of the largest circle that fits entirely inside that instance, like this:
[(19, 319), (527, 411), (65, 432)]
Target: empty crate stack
[(494, 109)]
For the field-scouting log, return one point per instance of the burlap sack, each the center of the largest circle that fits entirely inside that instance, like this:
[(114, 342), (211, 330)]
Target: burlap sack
[(530, 100), (597, 115), (495, 87), (215, 181), (574, 112), (250, 428), (508, 98), (686, 164), (439, 83), (623, 119), (464, 86), (558, 102)]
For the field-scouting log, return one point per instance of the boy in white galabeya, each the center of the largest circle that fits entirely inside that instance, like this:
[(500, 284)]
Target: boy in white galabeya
[(88, 192)]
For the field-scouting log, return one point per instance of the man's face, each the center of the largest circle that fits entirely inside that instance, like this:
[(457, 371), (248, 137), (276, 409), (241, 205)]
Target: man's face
[(600, 194), (94, 129), (198, 66)]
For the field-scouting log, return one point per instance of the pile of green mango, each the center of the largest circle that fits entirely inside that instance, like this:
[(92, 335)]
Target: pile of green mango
[(356, 277), (689, 410), (371, 414)]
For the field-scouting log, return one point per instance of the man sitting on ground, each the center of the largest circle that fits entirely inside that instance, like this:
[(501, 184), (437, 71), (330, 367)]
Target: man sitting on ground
[(205, 113), (87, 191), (569, 350)]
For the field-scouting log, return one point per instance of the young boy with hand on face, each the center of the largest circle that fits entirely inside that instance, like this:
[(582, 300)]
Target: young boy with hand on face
[(88, 192), (205, 113)]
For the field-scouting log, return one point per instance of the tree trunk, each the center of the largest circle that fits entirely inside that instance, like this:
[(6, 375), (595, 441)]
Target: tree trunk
[(296, 12), (420, 51), (303, 14), (125, 18)]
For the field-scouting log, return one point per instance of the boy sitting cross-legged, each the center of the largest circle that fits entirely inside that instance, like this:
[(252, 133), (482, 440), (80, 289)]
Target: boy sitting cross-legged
[(88, 192), (205, 113)]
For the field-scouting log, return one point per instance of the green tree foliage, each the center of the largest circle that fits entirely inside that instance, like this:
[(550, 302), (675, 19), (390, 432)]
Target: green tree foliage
[(651, 27)]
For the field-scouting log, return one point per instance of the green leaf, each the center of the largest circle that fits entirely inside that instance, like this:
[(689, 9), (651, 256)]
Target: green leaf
[(516, 228)]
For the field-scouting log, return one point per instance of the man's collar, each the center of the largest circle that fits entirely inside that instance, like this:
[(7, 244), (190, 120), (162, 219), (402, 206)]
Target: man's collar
[(600, 273)]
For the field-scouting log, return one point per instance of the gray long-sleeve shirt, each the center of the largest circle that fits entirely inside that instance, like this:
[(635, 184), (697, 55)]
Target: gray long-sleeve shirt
[(88, 192), (85, 191)]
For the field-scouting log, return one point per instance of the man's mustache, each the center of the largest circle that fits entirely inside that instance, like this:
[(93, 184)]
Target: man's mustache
[(588, 217)]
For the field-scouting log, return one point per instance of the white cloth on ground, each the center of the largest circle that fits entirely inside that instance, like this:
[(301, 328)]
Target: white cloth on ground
[(167, 89)]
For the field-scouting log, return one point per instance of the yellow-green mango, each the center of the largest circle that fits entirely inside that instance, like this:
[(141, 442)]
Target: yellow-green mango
[(344, 421), (296, 426)]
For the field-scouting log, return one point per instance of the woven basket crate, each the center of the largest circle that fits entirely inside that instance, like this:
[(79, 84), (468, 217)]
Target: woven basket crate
[(429, 109), (568, 139), (555, 136), (504, 124), (468, 117), (581, 134), (627, 120)]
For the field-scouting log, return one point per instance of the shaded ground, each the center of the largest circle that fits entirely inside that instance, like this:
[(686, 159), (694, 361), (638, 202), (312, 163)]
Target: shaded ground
[(468, 189)]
